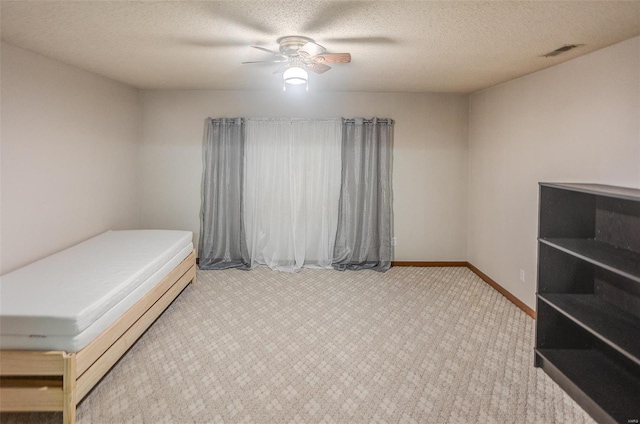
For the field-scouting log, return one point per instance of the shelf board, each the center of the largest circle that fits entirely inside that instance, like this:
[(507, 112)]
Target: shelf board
[(619, 261), (617, 328), (603, 388), (626, 193)]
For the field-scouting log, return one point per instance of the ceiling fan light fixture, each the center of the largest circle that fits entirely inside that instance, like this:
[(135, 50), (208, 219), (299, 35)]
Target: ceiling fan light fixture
[(295, 75)]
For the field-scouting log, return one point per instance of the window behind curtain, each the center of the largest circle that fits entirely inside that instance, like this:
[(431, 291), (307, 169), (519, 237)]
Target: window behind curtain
[(292, 189), (292, 193)]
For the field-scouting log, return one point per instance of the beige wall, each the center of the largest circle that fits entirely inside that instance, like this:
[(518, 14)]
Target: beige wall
[(69, 141), (430, 157), (78, 158), (575, 122)]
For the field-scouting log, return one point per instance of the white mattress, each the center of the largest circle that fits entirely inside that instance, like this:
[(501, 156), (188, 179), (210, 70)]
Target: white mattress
[(64, 301)]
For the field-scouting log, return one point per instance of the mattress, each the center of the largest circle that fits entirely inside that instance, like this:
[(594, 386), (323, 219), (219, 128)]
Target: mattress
[(64, 301)]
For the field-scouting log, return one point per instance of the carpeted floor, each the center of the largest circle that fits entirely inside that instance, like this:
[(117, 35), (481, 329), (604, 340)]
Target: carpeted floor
[(413, 345)]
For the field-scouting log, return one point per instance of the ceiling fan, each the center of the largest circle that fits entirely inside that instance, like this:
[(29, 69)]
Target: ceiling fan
[(301, 54)]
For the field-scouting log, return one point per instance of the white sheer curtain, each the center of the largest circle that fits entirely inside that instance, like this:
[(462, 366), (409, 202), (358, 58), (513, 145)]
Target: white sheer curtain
[(291, 191)]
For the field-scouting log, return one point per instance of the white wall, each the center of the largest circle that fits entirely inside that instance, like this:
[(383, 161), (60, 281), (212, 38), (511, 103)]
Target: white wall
[(465, 169), (69, 141), (430, 157), (575, 122)]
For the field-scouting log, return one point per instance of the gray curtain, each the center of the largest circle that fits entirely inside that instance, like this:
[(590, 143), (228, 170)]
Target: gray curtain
[(363, 239), (222, 240)]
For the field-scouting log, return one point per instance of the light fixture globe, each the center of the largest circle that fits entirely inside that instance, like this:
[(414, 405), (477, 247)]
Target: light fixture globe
[(295, 75)]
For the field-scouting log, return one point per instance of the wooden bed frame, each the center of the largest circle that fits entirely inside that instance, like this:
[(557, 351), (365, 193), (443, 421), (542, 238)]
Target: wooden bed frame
[(58, 381)]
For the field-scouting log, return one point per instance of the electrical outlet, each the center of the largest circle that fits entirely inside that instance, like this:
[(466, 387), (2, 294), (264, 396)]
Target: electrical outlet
[(394, 241), (522, 275)]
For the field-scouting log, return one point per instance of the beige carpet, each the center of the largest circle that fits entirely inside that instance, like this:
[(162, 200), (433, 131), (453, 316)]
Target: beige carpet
[(413, 345)]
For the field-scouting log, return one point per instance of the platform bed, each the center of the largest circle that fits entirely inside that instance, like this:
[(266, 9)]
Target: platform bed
[(58, 381)]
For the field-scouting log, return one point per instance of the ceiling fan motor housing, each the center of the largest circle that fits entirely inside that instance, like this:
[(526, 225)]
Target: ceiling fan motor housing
[(290, 44)]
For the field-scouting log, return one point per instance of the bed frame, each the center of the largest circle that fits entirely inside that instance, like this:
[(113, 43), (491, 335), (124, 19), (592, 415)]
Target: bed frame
[(58, 381)]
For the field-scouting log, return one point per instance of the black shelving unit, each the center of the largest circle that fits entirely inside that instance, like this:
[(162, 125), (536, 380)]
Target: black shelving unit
[(588, 297)]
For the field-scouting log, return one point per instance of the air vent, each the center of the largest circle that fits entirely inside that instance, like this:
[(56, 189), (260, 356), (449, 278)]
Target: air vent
[(562, 49)]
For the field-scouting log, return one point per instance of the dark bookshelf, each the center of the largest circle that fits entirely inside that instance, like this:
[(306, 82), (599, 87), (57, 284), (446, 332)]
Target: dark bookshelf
[(617, 328), (607, 391), (588, 296), (615, 259)]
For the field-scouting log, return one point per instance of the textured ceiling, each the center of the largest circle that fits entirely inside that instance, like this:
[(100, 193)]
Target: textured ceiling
[(418, 46)]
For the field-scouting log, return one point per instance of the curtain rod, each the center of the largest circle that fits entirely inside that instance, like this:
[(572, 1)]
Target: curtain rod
[(368, 121), (295, 119), (347, 120)]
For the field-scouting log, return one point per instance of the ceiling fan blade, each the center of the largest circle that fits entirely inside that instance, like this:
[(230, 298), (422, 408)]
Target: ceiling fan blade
[(331, 13), (233, 14), (311, 49), (267, 61), (333, 58), (318, 68), (281, 69), (361, 40), (209, 43), (269, 51)]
